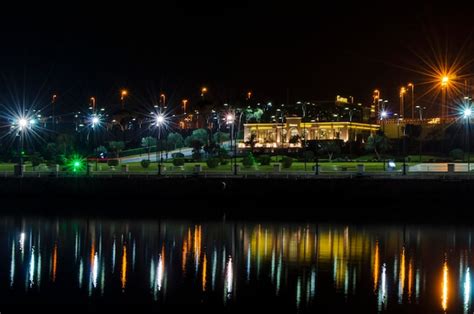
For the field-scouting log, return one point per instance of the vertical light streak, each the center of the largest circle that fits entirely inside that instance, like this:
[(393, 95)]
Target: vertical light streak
[(445, 288), (123, 277)]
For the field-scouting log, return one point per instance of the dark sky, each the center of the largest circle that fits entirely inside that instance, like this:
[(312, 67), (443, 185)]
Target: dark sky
[(78, 49)]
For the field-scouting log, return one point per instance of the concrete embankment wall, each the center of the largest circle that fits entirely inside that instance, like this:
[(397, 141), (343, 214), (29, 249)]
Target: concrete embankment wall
[(359, 199)]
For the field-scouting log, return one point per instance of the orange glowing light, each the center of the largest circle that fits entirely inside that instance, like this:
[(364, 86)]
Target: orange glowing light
[(444, 287), (204, 272), (376, 265), (123, 278), (55, 260), (444, 80)]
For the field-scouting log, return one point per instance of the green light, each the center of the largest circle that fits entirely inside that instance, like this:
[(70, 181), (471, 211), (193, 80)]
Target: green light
[(76, 163)]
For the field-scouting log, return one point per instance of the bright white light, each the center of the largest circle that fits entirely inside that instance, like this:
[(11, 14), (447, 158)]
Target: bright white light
[(391, 164), (467, 113), (230, 118), (160, 119), (384, 114), (23, 123)]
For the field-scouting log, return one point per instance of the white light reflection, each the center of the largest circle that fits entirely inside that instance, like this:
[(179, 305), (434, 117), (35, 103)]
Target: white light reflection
[(81, 273), (382, 293), (214, 268), (31, 269), (95, 270), (467, 290), (229, 279), (12, 265)]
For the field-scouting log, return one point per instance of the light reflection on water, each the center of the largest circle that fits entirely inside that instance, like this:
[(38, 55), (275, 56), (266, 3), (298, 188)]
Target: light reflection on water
[(302, 265)]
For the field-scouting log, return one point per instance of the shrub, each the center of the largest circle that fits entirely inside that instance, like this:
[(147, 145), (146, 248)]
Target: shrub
[(179, 161), (224, 162), (287, 162), (113, 162), (36, 160), (264, 160), (456, 154), (248, 161), (177, 155), (212, 162), (145, 163), (308, 156), (196, 155)]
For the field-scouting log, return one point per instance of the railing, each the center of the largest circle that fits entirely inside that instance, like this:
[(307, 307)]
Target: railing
[(333, 171)]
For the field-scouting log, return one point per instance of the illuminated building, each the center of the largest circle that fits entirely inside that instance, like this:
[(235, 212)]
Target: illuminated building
[(290, 133)]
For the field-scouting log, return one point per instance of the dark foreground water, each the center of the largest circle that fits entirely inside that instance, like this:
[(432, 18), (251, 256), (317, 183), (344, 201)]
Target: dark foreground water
[(301, 267)]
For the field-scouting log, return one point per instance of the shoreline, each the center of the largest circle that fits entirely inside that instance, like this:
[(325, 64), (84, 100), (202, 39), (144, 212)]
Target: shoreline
[(357, 199)]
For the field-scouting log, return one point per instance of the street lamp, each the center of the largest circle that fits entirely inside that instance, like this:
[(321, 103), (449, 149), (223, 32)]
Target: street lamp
[(163, 100), (412, 87), (185, 103), (203, 91), (230, 119), (53, 105), (445, 81), (22, 125), (160, 121), (467, 113), (123, 93), (403, 91)]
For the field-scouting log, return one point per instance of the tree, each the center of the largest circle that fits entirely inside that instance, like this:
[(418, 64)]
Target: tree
[(145, 163), (252, 141), (200, 135), (456, 154), (65, 143), (377, 143), (330, 148), (101, 150), (36, 160), (175, 140), (50, 151), (116, 147), (196, 141), (221, 137), (148, 142)]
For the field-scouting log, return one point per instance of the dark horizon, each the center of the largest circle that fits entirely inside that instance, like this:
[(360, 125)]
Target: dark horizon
[(279, 53)]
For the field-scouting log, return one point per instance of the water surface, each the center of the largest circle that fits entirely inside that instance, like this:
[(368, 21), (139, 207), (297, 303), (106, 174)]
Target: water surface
[(303, 267)]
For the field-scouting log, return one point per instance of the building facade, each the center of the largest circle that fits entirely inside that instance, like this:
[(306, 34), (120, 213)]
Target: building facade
[(293, 131)]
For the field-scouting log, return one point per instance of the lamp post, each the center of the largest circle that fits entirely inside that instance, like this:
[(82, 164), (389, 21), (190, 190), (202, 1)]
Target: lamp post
[(445, 80), (412, 87), (163, 100), (160, 121), (53, 105), (123, 93), (230, 119), (203, 91), (403, 91), (467, 113), (23, 124), (420, 109)]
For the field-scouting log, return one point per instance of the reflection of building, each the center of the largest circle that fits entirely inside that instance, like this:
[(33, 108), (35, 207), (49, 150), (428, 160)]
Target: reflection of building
[(291, 132)]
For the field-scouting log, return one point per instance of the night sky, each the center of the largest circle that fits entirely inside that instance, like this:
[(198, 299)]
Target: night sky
[(301, 52)]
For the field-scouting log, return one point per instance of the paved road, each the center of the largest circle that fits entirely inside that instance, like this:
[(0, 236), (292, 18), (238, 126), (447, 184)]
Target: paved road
[(187, 152)]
